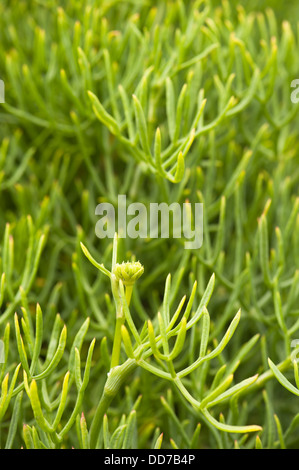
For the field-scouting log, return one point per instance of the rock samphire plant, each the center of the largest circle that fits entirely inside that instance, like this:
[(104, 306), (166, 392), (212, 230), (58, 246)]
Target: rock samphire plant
[(150, 344)]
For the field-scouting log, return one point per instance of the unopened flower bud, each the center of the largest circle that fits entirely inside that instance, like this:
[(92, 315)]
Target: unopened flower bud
[(128, 272)]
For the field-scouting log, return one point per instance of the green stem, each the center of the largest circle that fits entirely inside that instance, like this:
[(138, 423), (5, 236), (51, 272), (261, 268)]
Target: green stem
[(115, 379), (117, 373), (120, 319), (119, 322), (263, 378), (129, 290), (117, 342)]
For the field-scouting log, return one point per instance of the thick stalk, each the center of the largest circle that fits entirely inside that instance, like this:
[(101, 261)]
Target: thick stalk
[(116, 342), (117, 373), (115, 379), (119, 322)]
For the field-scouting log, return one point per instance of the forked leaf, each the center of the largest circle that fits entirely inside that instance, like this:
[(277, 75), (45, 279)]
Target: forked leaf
[(229, 333), (77, 343), (56, 358), (130, 432), (180, 340), (170, 107), (205, 332), (179, 113), (165, 307), (215, 393), (127, 342), (14, 421), (180, 169), (38, 339), (228, 427), (127, 111), (117, 437), (203, 303), (62, 402), (86, 374), (21, 347), (264, 248), (37, 409), (2, 288), (84, 432), (152, 340), (6, 395), (102, 114), (279, 432), (232, 391), (282, 379), (248, 96), (158, 443), (141, 126), (157, 151), (99, 266)]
